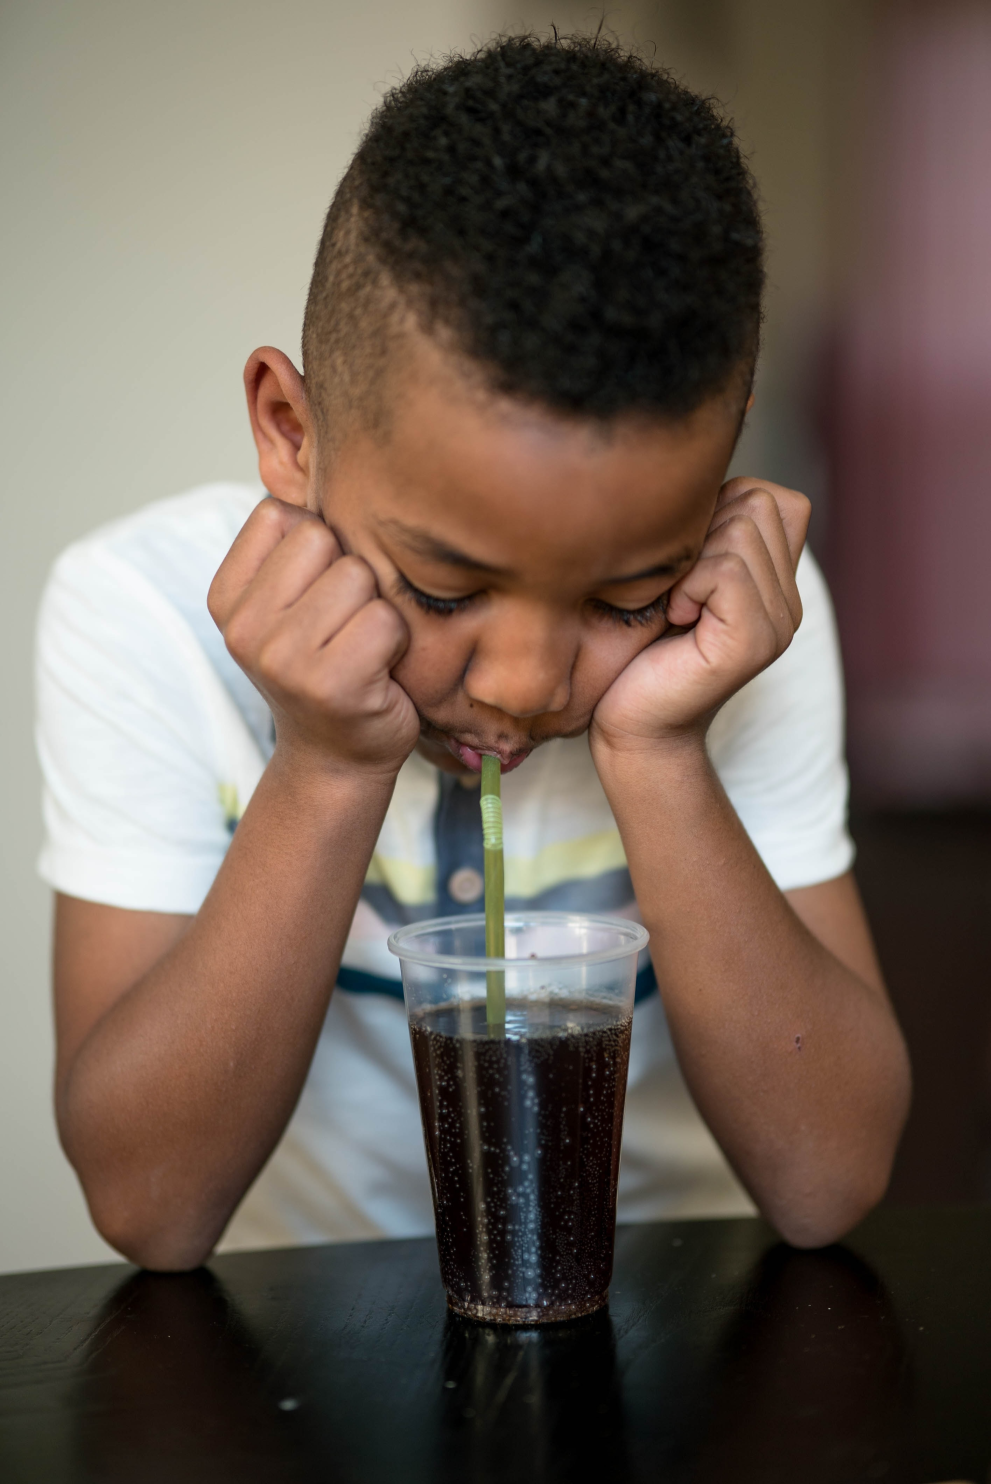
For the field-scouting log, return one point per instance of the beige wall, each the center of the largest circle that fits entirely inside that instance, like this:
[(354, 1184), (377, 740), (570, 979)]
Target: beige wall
[(165, 170)]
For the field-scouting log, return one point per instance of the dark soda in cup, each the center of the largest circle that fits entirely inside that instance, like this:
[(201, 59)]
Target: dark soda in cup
[(523, 1121)]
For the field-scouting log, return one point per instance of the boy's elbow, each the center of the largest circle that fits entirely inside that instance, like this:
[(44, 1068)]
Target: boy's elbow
[(163, 1246), (819, 1223), (830, 1207), (829, 1203), (170, 1231)]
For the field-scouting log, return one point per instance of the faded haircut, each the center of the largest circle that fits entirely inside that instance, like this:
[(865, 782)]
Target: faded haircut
[(559, 212)]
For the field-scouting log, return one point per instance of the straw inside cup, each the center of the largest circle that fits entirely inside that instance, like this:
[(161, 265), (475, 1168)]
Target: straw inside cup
[(495, 893)]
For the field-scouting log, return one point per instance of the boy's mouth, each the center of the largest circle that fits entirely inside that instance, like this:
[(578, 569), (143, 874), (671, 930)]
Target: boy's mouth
[(472, 758), (466, 754)]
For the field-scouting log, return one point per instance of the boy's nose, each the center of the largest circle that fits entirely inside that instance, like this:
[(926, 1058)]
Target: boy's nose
[(523, 668)]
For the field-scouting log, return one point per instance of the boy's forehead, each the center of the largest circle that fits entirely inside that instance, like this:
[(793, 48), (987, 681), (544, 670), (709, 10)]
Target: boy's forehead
[(490, 476)]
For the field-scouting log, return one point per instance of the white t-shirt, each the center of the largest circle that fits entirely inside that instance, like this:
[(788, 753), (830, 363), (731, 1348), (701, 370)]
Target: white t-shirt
[(152, 741)]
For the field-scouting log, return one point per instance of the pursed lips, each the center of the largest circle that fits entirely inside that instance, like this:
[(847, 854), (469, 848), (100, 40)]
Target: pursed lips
[(471, 757)]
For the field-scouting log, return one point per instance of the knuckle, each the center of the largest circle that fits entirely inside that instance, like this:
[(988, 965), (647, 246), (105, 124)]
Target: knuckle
[(266, 523), (770, 645), (737, 528), (382, 628), (357, 575), (215, 599), (796, 510), (267, 660), (276, 661), (759, 501), (267, 514), (239, 634), (383, 620), (744, 523), (730, 565), (311, 534)]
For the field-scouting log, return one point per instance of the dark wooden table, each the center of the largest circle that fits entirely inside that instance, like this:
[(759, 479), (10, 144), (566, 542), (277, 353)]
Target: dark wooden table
[(723, 1356)]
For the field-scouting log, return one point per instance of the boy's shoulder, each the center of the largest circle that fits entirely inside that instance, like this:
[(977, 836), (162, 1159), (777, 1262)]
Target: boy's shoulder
[(134, 587), (171, 548), (200, 523)]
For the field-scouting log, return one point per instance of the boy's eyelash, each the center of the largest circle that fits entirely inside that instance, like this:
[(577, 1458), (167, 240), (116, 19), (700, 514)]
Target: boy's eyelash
[(431, 604), (629, 616), (444, 607)]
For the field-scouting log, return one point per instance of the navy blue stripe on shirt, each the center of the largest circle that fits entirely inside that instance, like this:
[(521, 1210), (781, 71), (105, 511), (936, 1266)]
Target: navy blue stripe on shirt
[(356, 981), (646, 983)]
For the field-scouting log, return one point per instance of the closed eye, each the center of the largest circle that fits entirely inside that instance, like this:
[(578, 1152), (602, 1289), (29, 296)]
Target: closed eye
[(443, 607), (446, 607), (648, 614)]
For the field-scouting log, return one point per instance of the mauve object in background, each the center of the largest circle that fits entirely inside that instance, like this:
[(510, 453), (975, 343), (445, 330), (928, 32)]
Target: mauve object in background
[(909, 418)]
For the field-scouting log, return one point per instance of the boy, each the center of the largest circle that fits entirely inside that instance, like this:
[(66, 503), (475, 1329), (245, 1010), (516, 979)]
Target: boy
[(496, 524)]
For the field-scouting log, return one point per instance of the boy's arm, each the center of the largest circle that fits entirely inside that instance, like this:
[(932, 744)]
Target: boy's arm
[(775, 1001), (183, 1043)]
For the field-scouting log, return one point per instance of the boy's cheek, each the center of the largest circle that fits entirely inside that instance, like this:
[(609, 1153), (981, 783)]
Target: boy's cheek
[(599, 665), (610, 656), (600, 661), (433, 665)]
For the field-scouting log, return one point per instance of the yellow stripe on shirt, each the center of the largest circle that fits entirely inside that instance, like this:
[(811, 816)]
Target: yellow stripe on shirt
[(565, 860), (411, 884)]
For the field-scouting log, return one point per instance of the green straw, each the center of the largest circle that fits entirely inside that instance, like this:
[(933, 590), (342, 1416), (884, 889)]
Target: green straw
[(495, 897)]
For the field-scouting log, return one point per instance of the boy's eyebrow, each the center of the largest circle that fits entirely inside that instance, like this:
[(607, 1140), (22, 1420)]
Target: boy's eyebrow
[(660, 569), (426, 545)]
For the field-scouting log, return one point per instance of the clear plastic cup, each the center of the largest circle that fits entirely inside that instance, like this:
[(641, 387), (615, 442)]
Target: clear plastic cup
[(522, 1119)]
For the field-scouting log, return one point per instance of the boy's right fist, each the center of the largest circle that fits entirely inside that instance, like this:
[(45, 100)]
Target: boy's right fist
[(307, 626)]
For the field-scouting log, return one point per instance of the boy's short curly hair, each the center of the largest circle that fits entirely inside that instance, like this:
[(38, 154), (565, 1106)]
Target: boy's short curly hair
[(561, 212)]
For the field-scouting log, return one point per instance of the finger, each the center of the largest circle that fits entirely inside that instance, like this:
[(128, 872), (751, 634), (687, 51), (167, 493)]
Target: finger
[(733, 620), (740, 536), (761, 507), (359, 658), (307, 551), (255, 616), (747, 560), (321, 612), (751, 523), (794, 509), (266, 527)]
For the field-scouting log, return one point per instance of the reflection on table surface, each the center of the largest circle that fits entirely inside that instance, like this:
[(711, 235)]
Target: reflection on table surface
[(173, 1374), (724, 1356)]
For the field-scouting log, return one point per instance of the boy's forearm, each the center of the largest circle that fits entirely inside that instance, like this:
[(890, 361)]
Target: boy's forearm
[(796, 1064), (179, 1094)]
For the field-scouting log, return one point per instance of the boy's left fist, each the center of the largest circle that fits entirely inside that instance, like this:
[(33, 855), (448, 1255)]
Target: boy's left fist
[(730, 617)]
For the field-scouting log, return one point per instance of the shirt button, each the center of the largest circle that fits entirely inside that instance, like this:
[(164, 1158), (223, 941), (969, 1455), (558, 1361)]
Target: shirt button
[(465, 885)]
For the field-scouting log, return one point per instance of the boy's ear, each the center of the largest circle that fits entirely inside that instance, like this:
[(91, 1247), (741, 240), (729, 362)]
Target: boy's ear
[(281, 424)]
